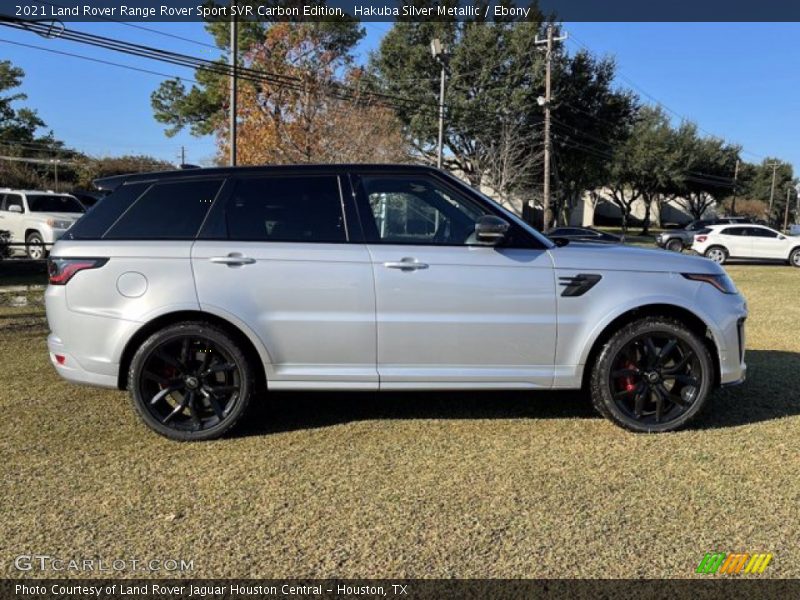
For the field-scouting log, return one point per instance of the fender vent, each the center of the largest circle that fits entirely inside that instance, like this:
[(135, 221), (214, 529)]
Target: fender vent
[(578, 285)]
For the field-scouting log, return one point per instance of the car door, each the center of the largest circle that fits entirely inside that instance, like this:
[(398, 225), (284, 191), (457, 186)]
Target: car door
[(768, 243), (275, 257), (450, 311), (736, 241)]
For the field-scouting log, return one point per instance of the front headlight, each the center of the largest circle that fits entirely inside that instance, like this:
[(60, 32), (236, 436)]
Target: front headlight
[(722, 282), (57, 224)]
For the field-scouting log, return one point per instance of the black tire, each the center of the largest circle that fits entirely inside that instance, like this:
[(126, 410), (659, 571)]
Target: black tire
[(630, 378), (34, 248), (209, 378), (675, 245), (717, 253), (794, 258)]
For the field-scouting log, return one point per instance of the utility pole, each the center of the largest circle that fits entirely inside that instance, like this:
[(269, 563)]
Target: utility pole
[(735, 181), (234, 100), (183, 155), (786, 211), (548, 42), (55, 172), (774, 166), (442, 55)]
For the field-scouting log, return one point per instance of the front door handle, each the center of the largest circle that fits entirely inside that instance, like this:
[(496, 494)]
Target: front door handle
[(406, 263), (234, 259)]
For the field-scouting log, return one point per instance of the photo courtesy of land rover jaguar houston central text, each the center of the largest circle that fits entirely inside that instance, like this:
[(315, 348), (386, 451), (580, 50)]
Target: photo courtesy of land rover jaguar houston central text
[(196, 290)]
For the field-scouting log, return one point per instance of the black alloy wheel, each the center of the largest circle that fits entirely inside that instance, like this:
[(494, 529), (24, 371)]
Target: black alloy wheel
[(190, 382), (653, 375)]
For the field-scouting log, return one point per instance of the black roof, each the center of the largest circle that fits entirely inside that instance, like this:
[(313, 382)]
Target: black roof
[(112, 183)]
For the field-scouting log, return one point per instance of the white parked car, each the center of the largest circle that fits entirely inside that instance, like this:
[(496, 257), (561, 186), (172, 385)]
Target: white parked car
[(36, 219), (754, 242)]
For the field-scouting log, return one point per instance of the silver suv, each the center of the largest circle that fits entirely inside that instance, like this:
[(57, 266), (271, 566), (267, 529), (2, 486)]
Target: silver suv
[(195, 290), (36, 219)]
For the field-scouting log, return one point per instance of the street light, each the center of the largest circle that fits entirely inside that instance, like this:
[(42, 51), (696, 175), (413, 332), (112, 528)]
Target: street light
[(441, 54)]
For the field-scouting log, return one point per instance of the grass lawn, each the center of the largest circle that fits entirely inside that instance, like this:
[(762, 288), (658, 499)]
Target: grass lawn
[(425, 485)]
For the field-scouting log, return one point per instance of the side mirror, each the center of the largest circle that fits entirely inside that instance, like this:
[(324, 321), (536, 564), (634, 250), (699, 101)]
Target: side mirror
[(491, 229), (15, 208), (781, 237)]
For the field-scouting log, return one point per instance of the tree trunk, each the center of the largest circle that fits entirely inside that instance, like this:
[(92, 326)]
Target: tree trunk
[(648, 204)]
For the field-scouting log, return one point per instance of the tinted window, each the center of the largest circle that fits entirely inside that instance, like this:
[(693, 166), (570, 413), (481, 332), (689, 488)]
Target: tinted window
[(172, 210), (414, 210), (286, 209), (96, 222), (761, 232), (53, 203), (734, 231)]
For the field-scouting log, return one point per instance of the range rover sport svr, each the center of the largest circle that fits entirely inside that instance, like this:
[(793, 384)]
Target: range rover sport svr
[(197, 289)]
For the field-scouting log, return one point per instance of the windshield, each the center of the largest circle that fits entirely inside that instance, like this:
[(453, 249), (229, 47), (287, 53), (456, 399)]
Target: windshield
[(51, 203)]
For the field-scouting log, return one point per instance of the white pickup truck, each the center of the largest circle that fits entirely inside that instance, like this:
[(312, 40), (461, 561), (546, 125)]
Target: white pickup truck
[(36, 219)]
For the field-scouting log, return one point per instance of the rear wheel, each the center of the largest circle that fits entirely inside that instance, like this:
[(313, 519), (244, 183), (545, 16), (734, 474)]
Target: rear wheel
[(675, 245), (718, 254), (34, 245), (190, 381), (794, 258), (653, 375)]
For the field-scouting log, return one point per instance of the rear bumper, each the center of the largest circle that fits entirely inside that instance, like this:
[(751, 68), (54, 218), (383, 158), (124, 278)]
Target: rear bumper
[(71, 369)]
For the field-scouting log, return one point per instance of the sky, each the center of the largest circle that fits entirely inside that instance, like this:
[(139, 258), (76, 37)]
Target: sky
[(738, 81)]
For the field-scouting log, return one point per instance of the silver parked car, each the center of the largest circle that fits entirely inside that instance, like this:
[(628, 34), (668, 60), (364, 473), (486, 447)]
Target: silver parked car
[(196, 289), (36, 219)]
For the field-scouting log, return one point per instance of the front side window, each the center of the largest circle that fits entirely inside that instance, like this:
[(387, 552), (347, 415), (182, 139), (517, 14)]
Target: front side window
[(763, 233), (416, 210), (51, 203), (286, 209), (172, 210)]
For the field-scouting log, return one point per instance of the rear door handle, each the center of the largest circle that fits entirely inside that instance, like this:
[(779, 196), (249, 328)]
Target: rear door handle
[(234, 259), (406, 263)]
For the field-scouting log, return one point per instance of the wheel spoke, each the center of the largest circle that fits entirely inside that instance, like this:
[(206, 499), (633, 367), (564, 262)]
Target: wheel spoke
[(216, 390), (639, 402), (678, 365), (178, 409), (659, 404), (686, 380), (193, 410), (218, 368), (666, 350), (165, 392), (650, 351), (185, 352), (674, 398), (625, 372), (162, 381)]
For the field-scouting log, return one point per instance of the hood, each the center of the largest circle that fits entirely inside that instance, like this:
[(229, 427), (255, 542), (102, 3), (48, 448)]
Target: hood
[(604, 257)]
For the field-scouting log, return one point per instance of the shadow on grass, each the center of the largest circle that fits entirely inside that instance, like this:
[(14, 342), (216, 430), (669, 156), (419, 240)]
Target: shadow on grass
[(771, 392), (290, 411)]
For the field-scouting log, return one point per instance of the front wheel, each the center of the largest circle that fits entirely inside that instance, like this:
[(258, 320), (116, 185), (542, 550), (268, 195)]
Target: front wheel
[(34, 245), (653, 375), (794, 258), (190, 381)]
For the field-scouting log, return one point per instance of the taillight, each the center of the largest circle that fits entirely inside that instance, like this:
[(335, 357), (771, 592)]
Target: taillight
[(700, 238), (61, 270)]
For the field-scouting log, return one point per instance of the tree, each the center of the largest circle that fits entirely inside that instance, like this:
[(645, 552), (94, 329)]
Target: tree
[(706, 171), (90, 169), (755, 184), (309, 104), (493, 124)]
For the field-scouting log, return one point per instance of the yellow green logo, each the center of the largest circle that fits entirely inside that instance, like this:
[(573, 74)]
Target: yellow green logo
[(733, 564)]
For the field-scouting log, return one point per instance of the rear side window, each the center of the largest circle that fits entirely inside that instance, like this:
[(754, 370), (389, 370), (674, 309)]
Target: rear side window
[(94, 224), (286, 209), (171, 211), (734, 231)]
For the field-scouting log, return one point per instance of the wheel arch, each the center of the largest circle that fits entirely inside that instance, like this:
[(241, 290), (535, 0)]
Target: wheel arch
[(29, 230), (694, 322), (253, 350)]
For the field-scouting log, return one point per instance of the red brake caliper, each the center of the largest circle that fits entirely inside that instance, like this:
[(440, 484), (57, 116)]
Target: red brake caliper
[(627, 382)]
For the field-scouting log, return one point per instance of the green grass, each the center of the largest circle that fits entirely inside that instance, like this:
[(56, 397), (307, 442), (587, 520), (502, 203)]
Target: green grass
[(427, 485)]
